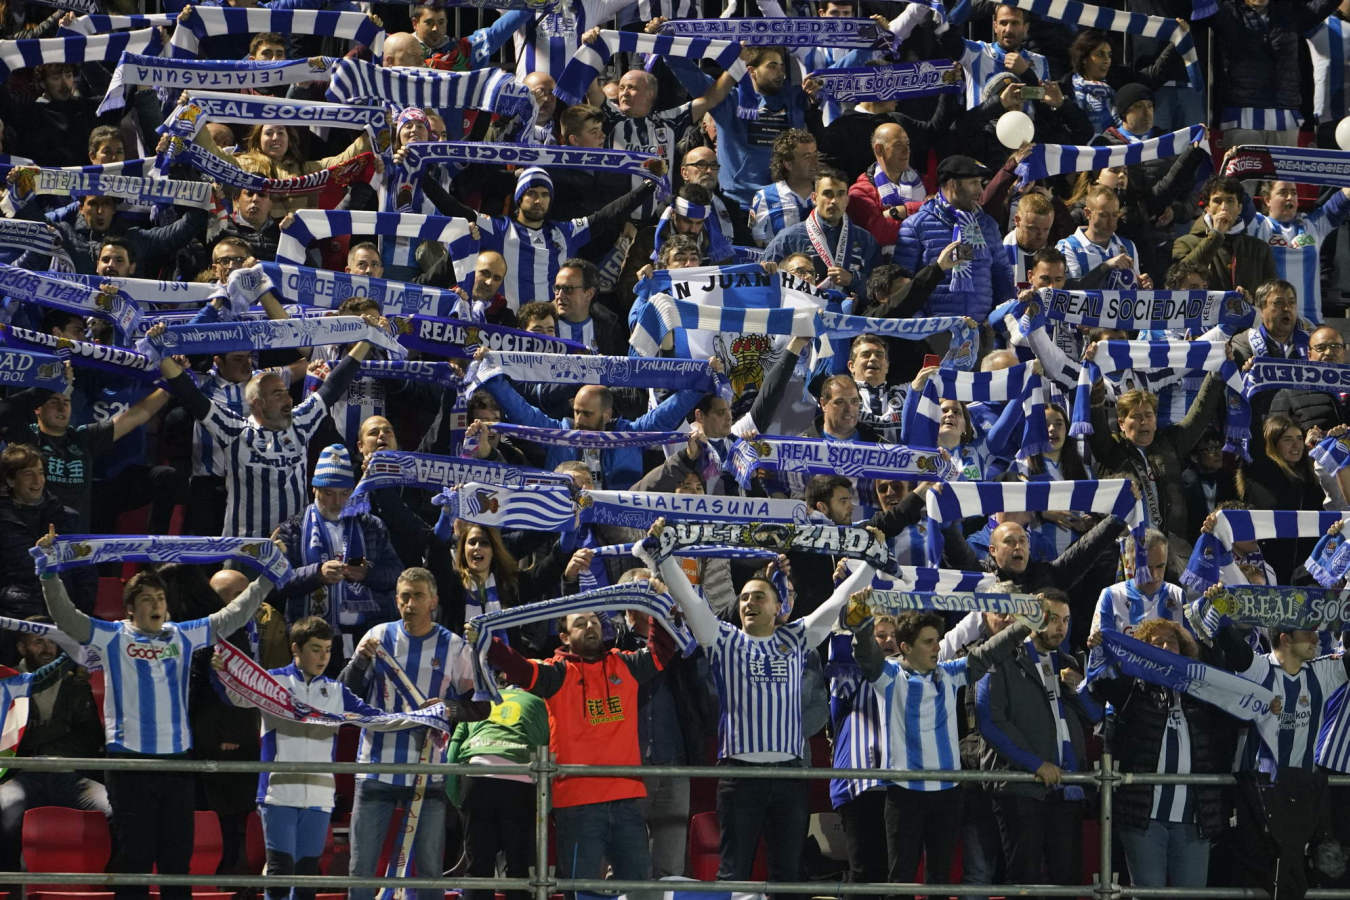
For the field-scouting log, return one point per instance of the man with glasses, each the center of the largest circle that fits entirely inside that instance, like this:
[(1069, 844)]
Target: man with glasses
[(1315, 409), (579, 319), (228, 254), (700, 167)]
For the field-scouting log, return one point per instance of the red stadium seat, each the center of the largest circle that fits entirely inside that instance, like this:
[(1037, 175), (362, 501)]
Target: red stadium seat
[(56, 839), (207, 844), (108, 604)]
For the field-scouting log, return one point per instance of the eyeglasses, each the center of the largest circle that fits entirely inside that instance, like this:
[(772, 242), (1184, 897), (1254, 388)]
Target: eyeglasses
[(230, 260), (1329, 347), (801, 272), (568, 289), (705, 166)]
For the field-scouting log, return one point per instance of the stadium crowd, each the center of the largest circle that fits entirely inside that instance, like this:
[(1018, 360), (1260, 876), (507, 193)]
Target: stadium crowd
[(977, 311)]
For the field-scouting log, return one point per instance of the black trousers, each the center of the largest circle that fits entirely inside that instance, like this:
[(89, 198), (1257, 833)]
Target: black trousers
[(864, 821), (498, 815), (206, 505), (776, 809), (922, 825), (1042, 839), (1275, 823), (152, 826)]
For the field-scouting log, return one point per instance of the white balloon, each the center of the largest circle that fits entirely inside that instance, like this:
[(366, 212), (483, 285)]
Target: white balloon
[(1343, 133), (1015, 128)]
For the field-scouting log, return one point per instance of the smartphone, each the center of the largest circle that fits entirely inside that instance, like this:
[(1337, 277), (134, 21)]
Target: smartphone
[(358, 561), (965, 251), (1032, 92), (931, 359)]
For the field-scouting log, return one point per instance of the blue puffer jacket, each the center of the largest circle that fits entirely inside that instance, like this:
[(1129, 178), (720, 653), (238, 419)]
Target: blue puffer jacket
[(922, 237)]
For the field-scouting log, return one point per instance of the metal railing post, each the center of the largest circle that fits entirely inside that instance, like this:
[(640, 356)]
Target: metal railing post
[(542, 769), (1107, 776)]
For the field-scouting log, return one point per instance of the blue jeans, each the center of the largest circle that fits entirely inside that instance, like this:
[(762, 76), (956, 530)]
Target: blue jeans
[(294, 838), (1166, 854), (372, 810), (591, 833)]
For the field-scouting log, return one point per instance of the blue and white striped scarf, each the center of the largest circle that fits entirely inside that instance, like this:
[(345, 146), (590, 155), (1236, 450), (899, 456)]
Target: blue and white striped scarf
[(489, 89), (434, 472), (71, 182), (1330, 560), (1247, 700), (1018, 383), (930, 579), (1270, 374), (457, 339), (57, 293), (207, 74), (589, 440), (71, 550), (417, 156), (1026, 606), (615, 598), (592, 58), (825, 457), (269, 334), (785, 32), (1045, 160), (39, 238), (611, 371), (104, 357), (534, 508), (662, 315), (26, 368), (309, 225), (1306, 165), (328, 290), (895, 81), (101, 23), (539, 6), (1071, 12), (201, 107), (962, 499), (838, 540), (215, 21), (1140, 310), (317, 547), (414, 371), (77, 49), (148, 290), (1230, 525), (962, 353), (1148, 356)]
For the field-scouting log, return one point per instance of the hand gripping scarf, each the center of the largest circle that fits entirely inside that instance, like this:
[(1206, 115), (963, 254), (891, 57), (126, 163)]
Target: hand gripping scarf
[(961, 499), (963, 350), (825, 457), (258, 554), (57, 293), (311, 225), (358, 168), (1139, 310), (611, 371), (208, 74), (104, 357), (1213, 550), (491, 90), (1277, 606), (269, 334), (1306, 165), (26, 368), (592, 58), (458, 339), (1046, 160), (325, 289), (1025, 606), (634, 595)]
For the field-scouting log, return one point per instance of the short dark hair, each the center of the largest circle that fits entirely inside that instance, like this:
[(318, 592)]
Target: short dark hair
[(310, 627), (879, 282), (908, 625), (15, 458), (1048, 255), (821, 487), (829, 173), (678, 243), (538, 309), (1222, 184), (828, 385), (480, 400), (118, 242), (590, 275), (695, 193), (1178, 271), (102, 134), (142, 581), (265, 37)]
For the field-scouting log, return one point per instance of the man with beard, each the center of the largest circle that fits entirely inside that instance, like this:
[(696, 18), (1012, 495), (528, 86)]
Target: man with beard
[(592, 698), (700, 167), (845, 254)]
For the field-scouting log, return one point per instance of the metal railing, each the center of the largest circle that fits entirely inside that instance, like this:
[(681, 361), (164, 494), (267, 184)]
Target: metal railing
[(543, 771)]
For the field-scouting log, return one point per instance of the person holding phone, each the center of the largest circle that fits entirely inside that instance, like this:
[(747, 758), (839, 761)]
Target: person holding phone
[(345, 566)]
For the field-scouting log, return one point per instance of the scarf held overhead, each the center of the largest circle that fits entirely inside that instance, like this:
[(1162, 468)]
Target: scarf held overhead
[(1046, 160), (57, 293), (1305, 165), (272, 334), (897, 81), (77, 49), (432, 471), (837, 540), (208, 74), (214, 21), (785, 32), (258, 554), (825, 457)]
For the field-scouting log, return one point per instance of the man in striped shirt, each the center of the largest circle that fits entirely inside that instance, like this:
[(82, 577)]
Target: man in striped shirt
[(793, 165), (919, 713), (758, 671), (1296, 238), (1097, 246), (981, 60), (266, 453)]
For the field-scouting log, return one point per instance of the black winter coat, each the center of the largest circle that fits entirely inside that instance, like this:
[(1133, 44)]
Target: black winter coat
[(1259, 55)]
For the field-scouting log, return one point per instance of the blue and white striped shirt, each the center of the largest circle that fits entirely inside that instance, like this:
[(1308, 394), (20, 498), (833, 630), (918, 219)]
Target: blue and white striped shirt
[(983, 60), (920, 715), (145, 703), (1304, 697), (533, 255), (1083, 254), (759, 683), (775, 207), (1174, 802), (1329, 44), (1297, 248), (208, 458), (440, 664), (1122, 606), (856, 722)]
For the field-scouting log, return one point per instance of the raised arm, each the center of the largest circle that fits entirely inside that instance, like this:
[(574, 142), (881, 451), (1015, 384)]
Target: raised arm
[(820, 621), (63, 611), (240, 609), (702, 622)]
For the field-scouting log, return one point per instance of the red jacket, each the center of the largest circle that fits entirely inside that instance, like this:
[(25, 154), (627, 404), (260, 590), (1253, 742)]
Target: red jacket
[(864, 208), (592, 712)]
